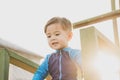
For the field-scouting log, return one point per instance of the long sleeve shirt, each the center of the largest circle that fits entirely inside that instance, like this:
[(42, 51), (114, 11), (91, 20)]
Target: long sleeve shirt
[(61, 65)]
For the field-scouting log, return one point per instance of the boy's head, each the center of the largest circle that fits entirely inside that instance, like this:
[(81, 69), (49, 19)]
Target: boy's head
[(65, 23), (58, 31)]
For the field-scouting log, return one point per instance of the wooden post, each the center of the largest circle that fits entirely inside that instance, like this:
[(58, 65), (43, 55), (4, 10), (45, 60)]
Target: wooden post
[(4, 64), (89, 47)]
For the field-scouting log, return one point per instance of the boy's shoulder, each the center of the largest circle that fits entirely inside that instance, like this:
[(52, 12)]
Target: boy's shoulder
[(74, 52)]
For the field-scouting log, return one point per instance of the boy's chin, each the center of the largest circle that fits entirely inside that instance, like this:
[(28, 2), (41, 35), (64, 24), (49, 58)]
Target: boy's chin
[(58, 48)]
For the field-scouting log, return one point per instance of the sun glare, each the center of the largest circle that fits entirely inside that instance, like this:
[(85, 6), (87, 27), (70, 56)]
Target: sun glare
[(108, 66)]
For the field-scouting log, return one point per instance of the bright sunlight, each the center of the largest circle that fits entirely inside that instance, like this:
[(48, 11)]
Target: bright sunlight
[(107, 65)]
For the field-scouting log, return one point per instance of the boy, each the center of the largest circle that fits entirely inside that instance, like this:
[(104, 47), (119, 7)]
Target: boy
[(63, 63)]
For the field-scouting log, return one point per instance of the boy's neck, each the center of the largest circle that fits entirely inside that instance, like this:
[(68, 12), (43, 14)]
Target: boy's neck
[(66, 48)]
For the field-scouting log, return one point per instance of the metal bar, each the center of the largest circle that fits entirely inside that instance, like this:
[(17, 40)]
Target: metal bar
[(100, 18), (119, 4), (115, 26), (4, 64)]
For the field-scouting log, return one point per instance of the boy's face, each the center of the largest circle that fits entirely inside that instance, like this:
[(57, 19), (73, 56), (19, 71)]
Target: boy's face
[(57, 37)]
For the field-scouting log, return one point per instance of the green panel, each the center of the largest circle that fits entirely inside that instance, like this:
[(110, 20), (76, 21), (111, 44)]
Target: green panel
[(4, 64), (22, 62)]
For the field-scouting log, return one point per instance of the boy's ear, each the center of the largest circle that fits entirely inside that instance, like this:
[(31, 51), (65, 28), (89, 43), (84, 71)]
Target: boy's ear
[(70, 34)]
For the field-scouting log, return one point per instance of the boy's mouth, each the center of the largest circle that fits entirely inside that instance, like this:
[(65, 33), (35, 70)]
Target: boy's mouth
[(54, 43)]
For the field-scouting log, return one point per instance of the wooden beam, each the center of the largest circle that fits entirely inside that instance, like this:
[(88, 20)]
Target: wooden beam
[(4, 64), (100, 18), (89, 48), (22, 62), (18, 49)]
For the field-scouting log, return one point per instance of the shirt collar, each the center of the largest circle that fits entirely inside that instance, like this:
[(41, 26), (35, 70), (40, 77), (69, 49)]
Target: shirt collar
[(64, 49)]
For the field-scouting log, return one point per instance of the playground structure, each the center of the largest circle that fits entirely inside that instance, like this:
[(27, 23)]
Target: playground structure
[(89, 35)]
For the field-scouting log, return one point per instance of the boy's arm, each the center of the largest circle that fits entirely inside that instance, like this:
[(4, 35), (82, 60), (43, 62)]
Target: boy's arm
[(42, 71)]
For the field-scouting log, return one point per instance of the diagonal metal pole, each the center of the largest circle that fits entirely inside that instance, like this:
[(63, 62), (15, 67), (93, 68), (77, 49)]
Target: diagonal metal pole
[(4, 64), (115, 26), (119, 4)]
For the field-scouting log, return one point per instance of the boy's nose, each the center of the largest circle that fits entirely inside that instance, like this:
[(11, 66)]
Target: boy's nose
[(53, 38)]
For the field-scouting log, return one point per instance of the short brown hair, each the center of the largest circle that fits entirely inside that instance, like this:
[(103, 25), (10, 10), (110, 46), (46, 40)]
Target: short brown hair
[(66, 24)]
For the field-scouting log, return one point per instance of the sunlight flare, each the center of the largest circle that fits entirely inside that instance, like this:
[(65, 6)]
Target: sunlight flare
[(107, 65)]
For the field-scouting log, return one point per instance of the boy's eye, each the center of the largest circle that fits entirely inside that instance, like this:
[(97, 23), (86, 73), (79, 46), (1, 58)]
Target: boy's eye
[(48, 36), (57, 34)]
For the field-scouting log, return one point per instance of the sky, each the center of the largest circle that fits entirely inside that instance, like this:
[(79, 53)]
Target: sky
[(22, 21)]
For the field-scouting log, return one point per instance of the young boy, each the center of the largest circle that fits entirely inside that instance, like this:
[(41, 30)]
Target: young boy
[(62, 64)]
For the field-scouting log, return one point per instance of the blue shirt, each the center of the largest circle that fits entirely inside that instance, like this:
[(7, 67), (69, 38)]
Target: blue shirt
[(61, 65)]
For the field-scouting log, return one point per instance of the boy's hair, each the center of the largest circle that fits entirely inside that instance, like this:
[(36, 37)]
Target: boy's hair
[(65, 23)]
